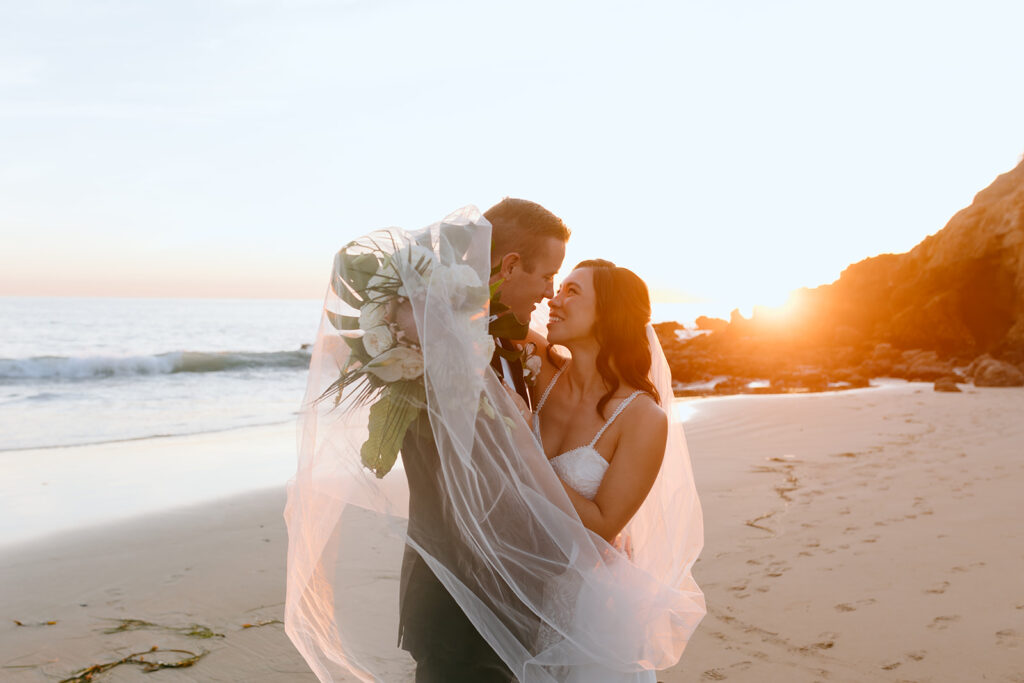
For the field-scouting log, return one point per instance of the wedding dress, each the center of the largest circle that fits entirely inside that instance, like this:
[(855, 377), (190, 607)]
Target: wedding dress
[(583, 469), (510, 548)]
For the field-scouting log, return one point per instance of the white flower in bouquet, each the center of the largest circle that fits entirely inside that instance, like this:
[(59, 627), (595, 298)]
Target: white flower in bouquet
[(411, 362), (459, 282), (377, 340), (371, 315), (410, 265), (382, 282), (401, 362)]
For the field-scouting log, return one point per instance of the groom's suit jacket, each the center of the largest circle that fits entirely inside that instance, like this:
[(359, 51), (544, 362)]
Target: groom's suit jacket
[(430, 620)]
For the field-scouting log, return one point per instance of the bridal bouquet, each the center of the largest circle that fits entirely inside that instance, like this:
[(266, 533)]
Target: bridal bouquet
[(376, 276)]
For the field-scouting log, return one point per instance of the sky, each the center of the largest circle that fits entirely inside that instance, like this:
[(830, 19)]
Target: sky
[(729, 152)]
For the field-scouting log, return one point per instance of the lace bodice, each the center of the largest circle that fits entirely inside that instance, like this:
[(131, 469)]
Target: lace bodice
[(582, 468)]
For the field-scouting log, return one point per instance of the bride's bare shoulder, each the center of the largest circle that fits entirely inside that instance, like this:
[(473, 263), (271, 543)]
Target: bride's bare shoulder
[(647, 412)]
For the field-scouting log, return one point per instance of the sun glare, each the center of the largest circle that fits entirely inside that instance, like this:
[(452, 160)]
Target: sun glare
[(784, 315)]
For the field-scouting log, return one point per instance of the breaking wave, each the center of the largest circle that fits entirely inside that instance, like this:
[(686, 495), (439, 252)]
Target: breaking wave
[(61, 368)]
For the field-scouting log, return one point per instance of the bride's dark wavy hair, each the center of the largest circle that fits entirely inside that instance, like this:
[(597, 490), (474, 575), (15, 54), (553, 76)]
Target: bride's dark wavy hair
[(623, 309)]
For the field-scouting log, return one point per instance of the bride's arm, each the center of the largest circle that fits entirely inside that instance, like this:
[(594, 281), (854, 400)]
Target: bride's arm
[(631, 474)]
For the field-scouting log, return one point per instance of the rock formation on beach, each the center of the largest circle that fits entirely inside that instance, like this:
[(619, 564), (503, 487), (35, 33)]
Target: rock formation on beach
[(922, 315)]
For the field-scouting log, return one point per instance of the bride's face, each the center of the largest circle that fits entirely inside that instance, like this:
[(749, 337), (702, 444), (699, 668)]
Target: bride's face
[(574, 308)]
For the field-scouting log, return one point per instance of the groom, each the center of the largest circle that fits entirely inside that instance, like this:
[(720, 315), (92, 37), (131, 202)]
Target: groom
[(527, 249)]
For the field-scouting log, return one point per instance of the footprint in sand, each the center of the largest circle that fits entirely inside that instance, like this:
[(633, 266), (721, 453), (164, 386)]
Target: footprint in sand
[(852, 606), (916, 656), (827, 642), (713, 675), (943, 622), (939, 589), (1009, 638)]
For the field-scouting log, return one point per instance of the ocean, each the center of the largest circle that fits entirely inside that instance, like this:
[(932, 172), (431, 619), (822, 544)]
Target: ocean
[(77, 371)]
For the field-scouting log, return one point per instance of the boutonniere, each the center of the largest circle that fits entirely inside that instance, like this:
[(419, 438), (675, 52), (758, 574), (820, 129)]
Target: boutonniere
[(531, 363)]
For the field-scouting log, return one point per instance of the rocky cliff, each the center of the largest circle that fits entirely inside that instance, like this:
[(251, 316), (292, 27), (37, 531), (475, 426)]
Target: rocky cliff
[(955, 296)]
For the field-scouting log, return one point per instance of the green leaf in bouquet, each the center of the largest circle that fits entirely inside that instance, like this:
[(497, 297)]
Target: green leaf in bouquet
[(390, 417), (355, 344), (340, 285), (342, 322), (359, 269)]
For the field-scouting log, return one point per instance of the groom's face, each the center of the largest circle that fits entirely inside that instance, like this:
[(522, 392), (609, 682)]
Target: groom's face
[(527, 284)]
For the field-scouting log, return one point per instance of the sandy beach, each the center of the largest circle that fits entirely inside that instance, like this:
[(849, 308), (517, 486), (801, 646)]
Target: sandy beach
[(868, 535)]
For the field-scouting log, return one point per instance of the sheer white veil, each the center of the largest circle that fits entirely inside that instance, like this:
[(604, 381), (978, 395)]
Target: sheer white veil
[(547, 594)]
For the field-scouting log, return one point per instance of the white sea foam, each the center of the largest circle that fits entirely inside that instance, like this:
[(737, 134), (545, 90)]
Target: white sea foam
[(60, 368), (82, 371)]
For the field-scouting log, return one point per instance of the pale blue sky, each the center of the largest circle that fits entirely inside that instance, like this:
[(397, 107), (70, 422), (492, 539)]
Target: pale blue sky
[(726, 151)]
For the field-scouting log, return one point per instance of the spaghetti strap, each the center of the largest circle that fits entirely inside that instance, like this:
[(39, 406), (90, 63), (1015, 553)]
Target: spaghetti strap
[(618, 411), (540, 404), (547, 390)]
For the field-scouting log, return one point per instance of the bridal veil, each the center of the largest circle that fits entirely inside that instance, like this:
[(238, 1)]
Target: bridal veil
[(547, 594)]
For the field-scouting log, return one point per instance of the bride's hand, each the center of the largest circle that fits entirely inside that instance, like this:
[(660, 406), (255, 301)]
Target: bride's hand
[(624, 544)]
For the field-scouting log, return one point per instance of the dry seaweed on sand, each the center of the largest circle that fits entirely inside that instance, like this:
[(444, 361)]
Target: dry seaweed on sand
[(190, 631), (86, 674)]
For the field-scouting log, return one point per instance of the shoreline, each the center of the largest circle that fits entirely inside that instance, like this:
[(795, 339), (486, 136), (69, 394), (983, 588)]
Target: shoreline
[(46, 491)]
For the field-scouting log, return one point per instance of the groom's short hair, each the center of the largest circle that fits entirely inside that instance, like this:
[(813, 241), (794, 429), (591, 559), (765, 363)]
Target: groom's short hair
[(520, 226)]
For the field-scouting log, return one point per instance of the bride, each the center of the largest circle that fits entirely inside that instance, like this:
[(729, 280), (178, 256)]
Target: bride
[(602, 427), (566, 538), (603, 430)]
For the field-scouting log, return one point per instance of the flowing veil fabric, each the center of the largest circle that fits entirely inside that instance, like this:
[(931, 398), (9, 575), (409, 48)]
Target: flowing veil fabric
[(549, 596)]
